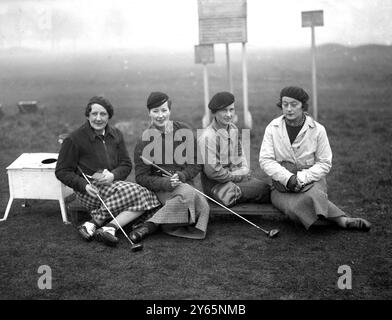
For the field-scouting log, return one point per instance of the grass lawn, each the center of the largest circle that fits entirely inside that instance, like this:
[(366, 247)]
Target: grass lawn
[(235, 261)]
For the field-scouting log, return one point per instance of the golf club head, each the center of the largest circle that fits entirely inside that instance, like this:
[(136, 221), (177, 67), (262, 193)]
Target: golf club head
[(137, 247), (273, 233)]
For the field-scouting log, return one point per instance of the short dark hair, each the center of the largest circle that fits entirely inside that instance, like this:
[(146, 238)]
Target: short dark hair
[(101, 101)]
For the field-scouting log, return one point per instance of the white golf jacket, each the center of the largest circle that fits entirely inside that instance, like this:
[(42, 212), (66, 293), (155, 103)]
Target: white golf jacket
[(310, 150)]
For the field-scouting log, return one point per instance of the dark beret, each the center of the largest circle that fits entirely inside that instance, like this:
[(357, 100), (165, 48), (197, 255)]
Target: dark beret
[(157, 99), (295, 93), (221, 100), (101, 101)]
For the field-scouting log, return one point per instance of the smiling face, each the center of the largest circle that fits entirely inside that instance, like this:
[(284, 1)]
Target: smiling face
[(225, 116), (98, 118), (160, 115), (292, 109)]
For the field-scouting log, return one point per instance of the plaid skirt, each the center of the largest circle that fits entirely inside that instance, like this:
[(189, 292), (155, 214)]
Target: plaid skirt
[(118, 197), (185, 213), (307, 207)]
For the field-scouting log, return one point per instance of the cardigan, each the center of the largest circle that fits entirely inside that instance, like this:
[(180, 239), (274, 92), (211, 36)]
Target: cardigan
[(85, 149)]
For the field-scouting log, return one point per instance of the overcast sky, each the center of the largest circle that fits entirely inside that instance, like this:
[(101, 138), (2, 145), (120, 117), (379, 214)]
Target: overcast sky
[(173, 24)]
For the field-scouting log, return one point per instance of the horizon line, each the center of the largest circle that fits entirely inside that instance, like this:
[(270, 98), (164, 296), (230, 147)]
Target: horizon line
[(152, 49)]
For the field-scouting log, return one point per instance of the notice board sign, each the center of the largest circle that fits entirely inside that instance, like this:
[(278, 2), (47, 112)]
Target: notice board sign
[(222, 21), (312, 18), (204, 53)]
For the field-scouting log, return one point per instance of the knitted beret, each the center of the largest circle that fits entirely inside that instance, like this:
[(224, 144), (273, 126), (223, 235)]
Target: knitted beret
[(157, 99), (295, 93), (101, 101), (221, 100)]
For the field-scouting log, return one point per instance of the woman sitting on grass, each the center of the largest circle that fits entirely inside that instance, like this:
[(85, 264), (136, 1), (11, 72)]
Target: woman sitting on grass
[(98, 150), (184, 213), (226, 175), (296, 153)]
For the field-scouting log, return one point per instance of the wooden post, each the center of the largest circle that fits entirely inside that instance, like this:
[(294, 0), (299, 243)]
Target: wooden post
[(314, 79), (247, 115), (204, 54), (313, 19), (228, 65), (206, 117)]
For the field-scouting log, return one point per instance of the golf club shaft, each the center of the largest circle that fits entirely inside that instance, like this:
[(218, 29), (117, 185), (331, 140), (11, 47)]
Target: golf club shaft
[(103, 202), (218, 203), (233, 212)]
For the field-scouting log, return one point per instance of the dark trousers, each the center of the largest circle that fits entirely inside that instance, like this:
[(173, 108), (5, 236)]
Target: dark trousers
[(254, 190)]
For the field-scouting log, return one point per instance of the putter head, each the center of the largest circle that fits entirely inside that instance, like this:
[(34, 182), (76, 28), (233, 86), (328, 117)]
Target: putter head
[(137, 247), (273, 233)]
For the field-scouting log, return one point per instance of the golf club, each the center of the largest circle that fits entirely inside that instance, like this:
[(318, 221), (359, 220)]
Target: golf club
[(272, 233), (134, 246)]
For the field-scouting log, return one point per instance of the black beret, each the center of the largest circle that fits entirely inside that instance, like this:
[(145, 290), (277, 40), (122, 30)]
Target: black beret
[(101, 101), (221, 100), (295, 93), (157, 99)]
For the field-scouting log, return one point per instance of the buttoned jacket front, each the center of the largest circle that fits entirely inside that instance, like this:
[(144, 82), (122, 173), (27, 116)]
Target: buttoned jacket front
[(83, 148), (222, 152), (310, 151)]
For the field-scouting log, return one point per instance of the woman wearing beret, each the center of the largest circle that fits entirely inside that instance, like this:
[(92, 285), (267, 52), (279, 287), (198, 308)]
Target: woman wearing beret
[(226, 175), (98, 150), (172, 146), (296, 153)]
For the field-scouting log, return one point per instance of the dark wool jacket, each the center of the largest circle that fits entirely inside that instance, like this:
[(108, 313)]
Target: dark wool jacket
[(84, 148), (150, 177)]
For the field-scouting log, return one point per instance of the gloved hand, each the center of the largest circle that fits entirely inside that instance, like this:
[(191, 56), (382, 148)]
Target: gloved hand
[(292, 183), (237, 178)]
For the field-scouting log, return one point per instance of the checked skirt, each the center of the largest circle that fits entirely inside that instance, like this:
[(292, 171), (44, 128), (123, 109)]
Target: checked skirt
[(118, 197)]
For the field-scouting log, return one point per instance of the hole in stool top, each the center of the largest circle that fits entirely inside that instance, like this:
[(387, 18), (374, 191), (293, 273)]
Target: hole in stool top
[(50, 160)]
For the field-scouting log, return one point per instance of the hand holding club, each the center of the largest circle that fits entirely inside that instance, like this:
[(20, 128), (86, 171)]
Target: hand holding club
[(92, 190)]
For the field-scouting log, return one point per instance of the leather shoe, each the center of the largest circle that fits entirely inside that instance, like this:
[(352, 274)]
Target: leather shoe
[(359, 224), (84, 233), (139, 234), (105, 237)]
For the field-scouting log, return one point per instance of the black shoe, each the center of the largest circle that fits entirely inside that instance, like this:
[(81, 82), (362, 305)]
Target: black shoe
[(105, 237), (358, 224), (84, 233), (139, 234)]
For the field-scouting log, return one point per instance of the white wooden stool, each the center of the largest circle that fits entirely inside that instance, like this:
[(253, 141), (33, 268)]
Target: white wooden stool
[(31, 176)]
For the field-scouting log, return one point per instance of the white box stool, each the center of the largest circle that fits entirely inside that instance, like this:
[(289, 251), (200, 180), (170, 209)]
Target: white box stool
[(31, 176)]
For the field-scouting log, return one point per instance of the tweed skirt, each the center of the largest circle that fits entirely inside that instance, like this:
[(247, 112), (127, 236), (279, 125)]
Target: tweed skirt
[(307, 207), (185, 213), (118, 197)]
